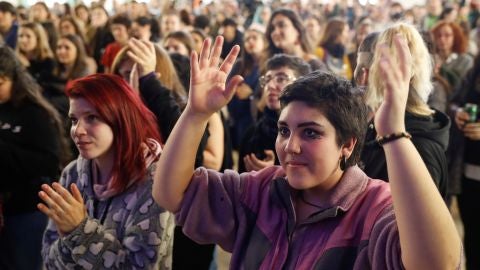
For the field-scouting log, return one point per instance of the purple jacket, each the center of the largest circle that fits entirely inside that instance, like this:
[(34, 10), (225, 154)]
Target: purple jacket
[(252, 216)]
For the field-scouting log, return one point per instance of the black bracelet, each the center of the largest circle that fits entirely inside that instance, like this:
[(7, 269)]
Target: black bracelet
[(381, 140)]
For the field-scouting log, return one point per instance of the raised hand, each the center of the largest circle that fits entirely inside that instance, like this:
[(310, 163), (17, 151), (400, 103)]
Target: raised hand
[(390, 116), (208, 93), (67, 210), (143, 53)]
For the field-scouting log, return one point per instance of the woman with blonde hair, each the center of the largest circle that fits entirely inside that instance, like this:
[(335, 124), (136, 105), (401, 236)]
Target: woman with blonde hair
[(429, 128), (34, 52)]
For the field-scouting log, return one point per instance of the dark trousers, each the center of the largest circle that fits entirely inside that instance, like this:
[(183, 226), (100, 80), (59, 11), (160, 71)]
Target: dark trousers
[(21, 241), (189, 255), (469, 206)]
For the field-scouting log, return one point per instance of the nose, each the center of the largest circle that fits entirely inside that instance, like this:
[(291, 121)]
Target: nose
[(292, 145), (78, 129)]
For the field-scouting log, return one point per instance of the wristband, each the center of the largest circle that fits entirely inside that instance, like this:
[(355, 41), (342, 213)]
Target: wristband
[(381, 140)]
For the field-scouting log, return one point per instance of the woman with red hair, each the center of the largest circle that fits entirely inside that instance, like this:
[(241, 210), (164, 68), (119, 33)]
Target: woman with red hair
[(102, 213), (452, 61)]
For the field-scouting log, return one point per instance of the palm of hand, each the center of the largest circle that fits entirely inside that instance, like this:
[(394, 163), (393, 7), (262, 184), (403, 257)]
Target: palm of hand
[(208, 95), (208, 92), (389, 117)]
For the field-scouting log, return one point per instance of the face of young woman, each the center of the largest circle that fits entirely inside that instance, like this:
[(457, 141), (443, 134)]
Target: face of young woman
[(5, 89), (444, 39), (66, 51), (284, 35), (125, 68), (27, 40), (175, 46), (99, 18), (92, 136), (67, 28), (307, 148), (254, 42)]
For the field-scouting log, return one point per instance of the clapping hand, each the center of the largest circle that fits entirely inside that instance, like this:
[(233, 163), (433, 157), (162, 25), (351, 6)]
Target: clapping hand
[(208, 93), (389, 118), (67, 210)]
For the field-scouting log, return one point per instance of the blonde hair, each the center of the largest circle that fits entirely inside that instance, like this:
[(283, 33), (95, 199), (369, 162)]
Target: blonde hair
[(43, 50), (421, 70)]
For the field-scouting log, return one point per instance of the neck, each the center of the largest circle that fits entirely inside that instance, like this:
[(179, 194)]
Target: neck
[(104, 166), (315, 197), (444, 54)]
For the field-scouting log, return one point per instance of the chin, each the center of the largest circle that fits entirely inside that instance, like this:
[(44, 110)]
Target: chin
[(299, 182)]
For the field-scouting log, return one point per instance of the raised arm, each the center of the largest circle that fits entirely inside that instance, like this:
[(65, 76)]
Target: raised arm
[(207, 95), (428, 237)]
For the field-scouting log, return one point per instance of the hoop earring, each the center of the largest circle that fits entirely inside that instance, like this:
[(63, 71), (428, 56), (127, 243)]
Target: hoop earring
[(343, 163)]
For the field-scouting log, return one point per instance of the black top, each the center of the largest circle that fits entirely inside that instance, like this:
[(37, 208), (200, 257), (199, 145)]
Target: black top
[(429, 135), (260, 137), (29, 155)]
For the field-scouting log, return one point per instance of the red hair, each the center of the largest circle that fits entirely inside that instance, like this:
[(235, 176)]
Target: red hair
[(130, 120), (460, 40)]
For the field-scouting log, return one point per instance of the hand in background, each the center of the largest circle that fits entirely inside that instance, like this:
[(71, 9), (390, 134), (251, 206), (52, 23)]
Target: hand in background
[(390, 116), (252, 163), (143, 53), (67, 210)]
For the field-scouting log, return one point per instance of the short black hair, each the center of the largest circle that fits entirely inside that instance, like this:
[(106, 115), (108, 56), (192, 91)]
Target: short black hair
[(7, 7), (123, 20), (229, 22), (201, 21), (338, 100), (297, 64)]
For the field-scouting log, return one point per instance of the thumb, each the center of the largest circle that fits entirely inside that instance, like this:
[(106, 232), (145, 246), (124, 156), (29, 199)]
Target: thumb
[(76, 193), (232, 86), (270, 155)]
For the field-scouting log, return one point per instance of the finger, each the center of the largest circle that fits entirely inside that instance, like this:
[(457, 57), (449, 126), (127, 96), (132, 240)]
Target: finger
[(230, 59), (232, 86), (403, 54), (58, 202), (138, 48), (255, 161), (217, 50), (194, 66), (204, 54), (270, 155), (63, 192), (135, 57), (52, 205), (248, 163), (77, 195), (44, 209)]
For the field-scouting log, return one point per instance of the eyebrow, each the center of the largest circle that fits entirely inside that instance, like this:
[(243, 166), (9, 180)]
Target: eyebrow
[(70, 114), (303, 124)]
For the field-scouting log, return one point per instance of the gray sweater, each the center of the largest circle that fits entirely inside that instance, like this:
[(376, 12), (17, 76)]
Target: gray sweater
[(126, 231)]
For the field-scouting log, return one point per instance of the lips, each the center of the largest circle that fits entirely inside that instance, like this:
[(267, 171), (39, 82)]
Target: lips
[(83, 144), (294, 163)]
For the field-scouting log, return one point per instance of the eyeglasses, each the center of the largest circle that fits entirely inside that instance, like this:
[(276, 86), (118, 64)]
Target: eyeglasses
[(280, 79)]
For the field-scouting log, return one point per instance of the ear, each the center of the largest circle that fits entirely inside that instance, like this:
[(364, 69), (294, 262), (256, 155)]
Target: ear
[(364, 76), (348, 146)]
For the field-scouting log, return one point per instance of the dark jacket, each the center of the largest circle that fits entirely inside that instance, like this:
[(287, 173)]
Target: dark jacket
[(430, 136), (260, 137), (29, 155)]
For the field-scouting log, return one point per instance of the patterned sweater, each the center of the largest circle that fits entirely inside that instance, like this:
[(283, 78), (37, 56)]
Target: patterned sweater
[(126, 231)]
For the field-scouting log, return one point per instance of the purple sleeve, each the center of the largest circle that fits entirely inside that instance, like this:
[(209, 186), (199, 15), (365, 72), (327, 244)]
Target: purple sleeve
[(384, 250), (210, 211)]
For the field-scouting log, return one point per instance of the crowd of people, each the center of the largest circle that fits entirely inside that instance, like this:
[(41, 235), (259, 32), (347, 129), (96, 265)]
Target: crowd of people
[(291, 135)]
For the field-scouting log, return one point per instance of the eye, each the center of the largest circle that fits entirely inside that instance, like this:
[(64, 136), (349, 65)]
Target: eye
[(91, 118), (283, 131), (311, 133), (73, 120)]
